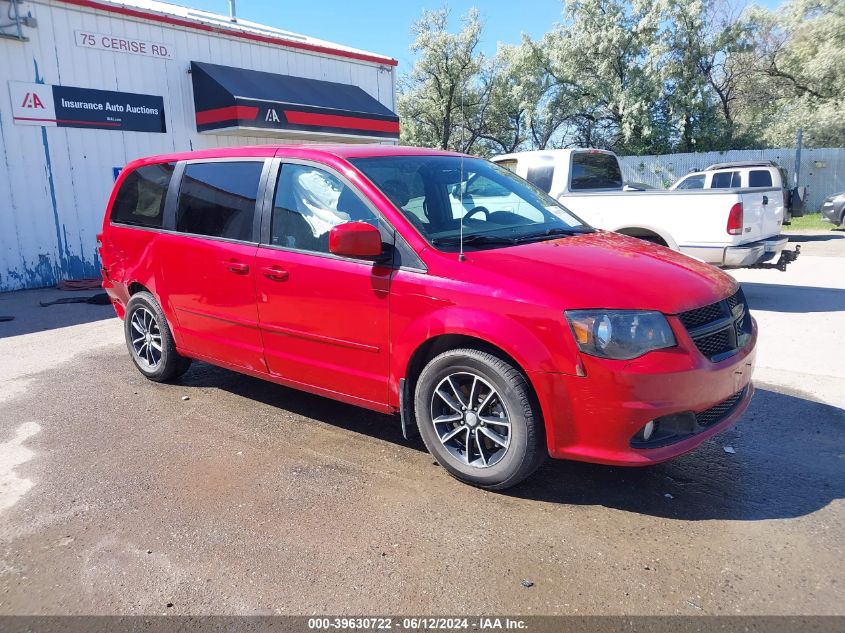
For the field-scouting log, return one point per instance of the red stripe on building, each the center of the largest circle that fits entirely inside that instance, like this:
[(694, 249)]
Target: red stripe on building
[(265, 39), (346, 122), (229, 113)]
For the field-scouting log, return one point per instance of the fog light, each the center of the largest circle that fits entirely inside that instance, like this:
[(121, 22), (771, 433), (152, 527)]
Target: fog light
[(648, 431)]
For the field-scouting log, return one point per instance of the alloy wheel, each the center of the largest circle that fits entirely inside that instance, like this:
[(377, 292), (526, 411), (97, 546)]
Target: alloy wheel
[(146, 338), (471, 419)]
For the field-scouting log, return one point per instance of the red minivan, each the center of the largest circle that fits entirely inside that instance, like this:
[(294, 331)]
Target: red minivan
[(433, 285)]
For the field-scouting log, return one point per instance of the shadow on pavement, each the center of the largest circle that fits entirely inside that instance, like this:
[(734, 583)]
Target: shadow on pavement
[(29, 316), (787, 464), (794, 299), (835, 234), (340, 415)]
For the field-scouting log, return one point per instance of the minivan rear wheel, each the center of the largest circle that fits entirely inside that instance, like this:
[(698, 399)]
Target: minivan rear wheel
[(150, 341), (477, 417)]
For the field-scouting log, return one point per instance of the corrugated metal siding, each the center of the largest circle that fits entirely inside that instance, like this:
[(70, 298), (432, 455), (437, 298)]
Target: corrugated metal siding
[(55, 182), (822, 170)]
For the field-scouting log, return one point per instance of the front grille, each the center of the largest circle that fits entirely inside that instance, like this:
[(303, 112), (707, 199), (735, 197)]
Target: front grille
[(700, 316), (720, 411), (715, 344), (719, 329)]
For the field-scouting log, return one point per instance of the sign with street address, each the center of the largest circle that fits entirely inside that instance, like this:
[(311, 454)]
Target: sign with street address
[(121, 44), (67, 106)]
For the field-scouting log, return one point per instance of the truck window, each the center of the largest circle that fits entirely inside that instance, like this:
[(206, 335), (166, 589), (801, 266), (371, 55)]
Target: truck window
[(218, 199), (595, 171), (725, 180), (140, 201), (759, 178), (507, 164), (692, 182), (541, 177)]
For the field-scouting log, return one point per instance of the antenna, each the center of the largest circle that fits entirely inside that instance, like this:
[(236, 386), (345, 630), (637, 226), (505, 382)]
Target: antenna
[(461, 184)]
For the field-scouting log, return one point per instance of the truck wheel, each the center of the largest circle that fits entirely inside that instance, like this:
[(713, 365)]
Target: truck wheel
[(149, 340), (477, 417)]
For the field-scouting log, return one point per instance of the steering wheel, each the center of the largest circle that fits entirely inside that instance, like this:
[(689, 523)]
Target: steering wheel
[(483, 210)]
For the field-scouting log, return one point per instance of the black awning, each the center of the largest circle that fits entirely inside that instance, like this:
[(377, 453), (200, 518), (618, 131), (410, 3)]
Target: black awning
[(236, 99)]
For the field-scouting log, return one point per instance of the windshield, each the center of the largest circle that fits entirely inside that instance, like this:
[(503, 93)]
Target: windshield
[(440, 194)]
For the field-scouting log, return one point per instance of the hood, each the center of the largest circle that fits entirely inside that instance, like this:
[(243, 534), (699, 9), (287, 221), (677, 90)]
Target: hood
[(607, 270)]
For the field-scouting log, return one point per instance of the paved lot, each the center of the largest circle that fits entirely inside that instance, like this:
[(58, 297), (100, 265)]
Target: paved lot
[(118, 496)]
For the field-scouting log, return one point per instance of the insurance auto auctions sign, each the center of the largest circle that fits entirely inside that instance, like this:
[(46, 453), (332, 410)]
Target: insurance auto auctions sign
[(66, 106)]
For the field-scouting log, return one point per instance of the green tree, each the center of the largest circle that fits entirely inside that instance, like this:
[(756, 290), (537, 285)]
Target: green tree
[(443, 91)]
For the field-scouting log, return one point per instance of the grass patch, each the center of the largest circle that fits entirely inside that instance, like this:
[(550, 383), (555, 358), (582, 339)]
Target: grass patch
[(811, 221)]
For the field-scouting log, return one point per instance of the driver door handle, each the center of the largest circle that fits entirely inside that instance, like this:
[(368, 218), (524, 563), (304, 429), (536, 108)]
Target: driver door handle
[(275, 273)]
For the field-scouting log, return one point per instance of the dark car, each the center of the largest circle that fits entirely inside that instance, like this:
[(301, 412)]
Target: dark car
[(833, 208)]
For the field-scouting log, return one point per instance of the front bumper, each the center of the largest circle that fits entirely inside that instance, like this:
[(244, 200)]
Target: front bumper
[(833, 212), (595, 417)]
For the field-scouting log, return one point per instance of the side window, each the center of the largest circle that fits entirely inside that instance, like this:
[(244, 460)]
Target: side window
[(481, 187), (692, 182), (140, 201), (725, 180), (759, 178), (309, 202), (509, 164), (541, 177), (595, 171), (218, 199)]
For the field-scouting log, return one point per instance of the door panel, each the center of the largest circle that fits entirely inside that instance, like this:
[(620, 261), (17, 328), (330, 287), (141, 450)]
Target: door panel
[(209, 269), (211, 288), (324, 321), (323, 318)]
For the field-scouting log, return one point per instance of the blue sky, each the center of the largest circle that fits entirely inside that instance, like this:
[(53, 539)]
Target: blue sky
[(383, 26)]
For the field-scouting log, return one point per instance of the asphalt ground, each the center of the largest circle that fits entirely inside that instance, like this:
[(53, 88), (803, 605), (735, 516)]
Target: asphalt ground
[(224, 494)]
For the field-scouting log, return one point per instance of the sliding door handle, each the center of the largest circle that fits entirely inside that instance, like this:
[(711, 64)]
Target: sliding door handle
[(275, 273), (239, 268)]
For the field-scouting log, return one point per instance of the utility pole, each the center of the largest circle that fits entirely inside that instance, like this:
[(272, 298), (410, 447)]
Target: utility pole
[(797, 171)]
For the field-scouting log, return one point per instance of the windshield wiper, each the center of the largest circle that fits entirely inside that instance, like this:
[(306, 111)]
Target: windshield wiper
[(553, 232), (474, 238)]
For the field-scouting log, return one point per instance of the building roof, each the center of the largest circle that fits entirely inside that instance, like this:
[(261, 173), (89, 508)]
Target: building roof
[(221, 24)]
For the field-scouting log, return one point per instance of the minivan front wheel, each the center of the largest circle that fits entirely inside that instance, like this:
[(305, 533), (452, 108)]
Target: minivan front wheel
[(150, 341), (478, 419)]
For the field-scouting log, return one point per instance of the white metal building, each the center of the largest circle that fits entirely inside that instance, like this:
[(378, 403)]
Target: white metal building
[(92, 84)]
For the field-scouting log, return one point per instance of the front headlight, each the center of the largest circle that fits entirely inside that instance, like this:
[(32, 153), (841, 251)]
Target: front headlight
[(619, 334)]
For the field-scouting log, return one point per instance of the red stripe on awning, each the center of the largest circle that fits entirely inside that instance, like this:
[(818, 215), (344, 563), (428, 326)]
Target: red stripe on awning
[(336, 120), (229, 113)]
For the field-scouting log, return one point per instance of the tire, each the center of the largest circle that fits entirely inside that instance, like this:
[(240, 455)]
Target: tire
[(145, 326), (500, 455)]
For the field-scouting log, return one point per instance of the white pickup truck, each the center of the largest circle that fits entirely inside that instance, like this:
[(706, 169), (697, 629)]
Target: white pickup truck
[(731, 228)]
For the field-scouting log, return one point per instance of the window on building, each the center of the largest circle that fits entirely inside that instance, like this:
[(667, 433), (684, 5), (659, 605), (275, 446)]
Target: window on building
[(309, 202), (759, 178), (218, 199), (140, 200)]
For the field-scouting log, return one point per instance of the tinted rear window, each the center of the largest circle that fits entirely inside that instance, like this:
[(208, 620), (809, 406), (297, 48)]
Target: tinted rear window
[(140, 200), (595, 171), (725, 180), (541, 177), (759, 178), (218, 199)]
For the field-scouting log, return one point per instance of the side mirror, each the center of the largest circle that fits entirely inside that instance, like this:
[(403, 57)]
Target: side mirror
[(355, 239)]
